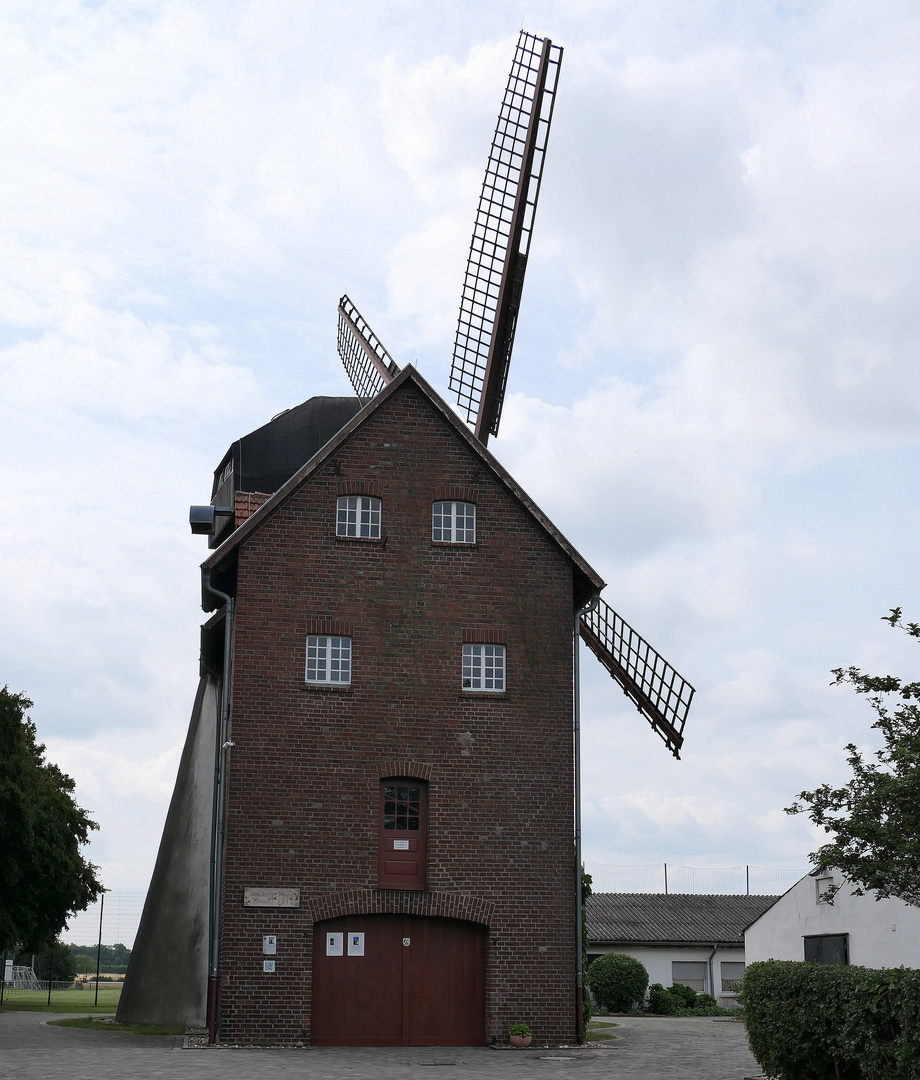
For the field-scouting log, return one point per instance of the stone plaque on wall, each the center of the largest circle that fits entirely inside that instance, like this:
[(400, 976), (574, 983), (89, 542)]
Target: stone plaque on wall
[(271, 898)]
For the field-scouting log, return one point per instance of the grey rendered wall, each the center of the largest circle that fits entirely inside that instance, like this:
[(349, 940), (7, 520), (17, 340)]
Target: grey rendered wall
[(168, 972)]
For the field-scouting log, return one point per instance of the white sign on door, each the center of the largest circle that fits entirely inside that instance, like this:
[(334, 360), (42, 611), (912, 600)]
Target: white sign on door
[(335, 944), (269, 944), (400, 845), (355, 944)]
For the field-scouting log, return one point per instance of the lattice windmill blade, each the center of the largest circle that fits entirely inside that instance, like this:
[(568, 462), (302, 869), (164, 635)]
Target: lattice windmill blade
[(661, 694), (501, 235), (370, 367)]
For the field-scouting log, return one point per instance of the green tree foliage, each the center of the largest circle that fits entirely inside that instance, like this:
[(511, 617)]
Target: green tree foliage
[(60, 961), (112, 958), (875, 817), (43, 876), (618, 982)]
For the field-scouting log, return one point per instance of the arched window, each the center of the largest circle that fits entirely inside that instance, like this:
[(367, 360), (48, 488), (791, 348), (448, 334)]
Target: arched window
[(358, 515), (402, 834)]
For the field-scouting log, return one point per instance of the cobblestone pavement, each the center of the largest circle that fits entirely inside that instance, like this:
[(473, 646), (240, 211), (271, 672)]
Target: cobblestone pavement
[(644, 1049)]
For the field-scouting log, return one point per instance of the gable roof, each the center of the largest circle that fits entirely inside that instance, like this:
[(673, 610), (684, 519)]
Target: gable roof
[(588, 581), (675, 918)]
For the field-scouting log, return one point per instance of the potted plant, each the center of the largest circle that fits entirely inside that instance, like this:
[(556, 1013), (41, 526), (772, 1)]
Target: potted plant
[(520, 1035)]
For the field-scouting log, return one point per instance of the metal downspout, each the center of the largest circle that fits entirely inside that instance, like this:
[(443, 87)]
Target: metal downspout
[(579, 939), (217, 816), (712, 985)]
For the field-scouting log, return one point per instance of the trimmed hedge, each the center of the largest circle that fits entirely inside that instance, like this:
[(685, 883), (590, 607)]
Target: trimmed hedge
[(618, 982), (832, 1022)]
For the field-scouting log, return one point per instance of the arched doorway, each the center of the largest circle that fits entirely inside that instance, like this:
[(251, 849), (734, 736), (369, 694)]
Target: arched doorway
[(398, 980)]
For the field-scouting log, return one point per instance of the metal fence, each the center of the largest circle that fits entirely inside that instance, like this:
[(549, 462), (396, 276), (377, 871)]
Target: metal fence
[(112, 920), (668, 878)]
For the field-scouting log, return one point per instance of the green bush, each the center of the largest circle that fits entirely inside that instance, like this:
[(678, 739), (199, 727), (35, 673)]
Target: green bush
[(618, 982), (832, 1022), (687, 997), (661, 1001)]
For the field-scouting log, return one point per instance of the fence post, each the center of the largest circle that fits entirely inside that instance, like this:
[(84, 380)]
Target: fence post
[(747, 880), (50, 971), (99, 947), (665, 879), (3, 976)]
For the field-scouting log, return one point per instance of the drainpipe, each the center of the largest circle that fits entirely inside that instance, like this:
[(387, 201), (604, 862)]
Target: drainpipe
[(712, 985), (217, 815), (579, 942)]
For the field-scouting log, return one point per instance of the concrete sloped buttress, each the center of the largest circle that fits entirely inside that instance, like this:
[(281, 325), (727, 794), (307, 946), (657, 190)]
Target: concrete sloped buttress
[(167, 975)]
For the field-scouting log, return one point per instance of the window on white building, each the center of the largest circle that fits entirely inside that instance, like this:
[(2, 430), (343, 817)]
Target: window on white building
[(689, 973), (822, 884), (328, 659), (453, 522), (484, 667), (827, 949), (732, 974), (358, 515)]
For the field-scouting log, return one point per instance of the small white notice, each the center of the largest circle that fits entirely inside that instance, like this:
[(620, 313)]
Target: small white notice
[(407, 941), (335, 944), (355, 944), (268, 965), (269, 944), (400, 845)]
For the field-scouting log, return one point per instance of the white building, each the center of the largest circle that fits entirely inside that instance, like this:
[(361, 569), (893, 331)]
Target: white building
[(862, 930), (693, 939)]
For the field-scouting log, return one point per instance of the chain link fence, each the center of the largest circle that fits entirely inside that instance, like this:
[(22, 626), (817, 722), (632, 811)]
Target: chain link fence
[(668, 878)]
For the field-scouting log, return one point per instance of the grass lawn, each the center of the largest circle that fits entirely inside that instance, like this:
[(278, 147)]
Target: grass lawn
[(77, 1001), (598, 1031), (96, 1023)]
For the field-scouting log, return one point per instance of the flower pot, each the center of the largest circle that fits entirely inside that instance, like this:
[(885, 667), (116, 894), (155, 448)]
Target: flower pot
[(521, 1041)]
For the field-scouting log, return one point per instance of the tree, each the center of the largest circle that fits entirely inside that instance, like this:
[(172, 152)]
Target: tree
[(43, 876), (58, 964), (618, 982), (875, 817)]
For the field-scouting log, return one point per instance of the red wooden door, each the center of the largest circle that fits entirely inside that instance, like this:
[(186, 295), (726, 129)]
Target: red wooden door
[(419, 982), (402, 835)]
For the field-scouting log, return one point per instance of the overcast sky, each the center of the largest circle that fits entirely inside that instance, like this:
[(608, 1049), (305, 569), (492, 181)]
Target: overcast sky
[(714, 392)]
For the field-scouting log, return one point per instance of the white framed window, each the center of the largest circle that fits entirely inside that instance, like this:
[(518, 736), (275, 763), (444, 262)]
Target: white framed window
[(484, 667), (822, 884), (732, 974), (453, 522), (328, 659), (358, 515)]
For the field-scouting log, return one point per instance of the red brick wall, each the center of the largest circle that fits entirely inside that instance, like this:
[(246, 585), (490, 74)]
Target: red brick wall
[(305, 767)]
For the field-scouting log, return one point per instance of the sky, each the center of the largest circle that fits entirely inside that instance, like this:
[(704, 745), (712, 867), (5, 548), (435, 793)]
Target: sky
[(714, 391)]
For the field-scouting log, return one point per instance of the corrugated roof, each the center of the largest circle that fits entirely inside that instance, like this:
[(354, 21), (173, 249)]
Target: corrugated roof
[(676, 917)]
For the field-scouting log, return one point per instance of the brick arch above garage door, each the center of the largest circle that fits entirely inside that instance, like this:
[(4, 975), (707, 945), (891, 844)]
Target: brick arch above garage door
[(388, 902)]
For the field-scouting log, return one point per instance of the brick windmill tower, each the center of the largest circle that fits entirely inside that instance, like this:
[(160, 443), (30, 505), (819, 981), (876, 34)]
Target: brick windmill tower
[(374, 837)]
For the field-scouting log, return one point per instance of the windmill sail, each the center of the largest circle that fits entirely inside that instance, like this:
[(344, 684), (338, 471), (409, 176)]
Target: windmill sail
[(370, 367), (501, 235), (658, 691)]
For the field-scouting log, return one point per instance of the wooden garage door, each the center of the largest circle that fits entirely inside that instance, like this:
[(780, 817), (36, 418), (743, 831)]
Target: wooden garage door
[(409, 981)]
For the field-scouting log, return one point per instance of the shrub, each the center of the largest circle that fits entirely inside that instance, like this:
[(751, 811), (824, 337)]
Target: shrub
[(832, 1022), (618, 982), (661, 1001), (521, 1030), (687, 997)]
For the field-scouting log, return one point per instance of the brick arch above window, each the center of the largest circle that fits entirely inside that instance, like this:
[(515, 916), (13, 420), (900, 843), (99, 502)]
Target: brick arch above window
[(372, 902), (456, 493), (358, 487), (416, 769)]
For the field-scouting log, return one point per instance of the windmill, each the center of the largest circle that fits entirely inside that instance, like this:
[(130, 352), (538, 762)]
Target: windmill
[(489, 305)]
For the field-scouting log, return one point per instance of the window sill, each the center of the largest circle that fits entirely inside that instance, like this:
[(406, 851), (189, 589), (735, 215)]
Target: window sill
[(336, 688), (483, 694), (453, 543), (361, 539)]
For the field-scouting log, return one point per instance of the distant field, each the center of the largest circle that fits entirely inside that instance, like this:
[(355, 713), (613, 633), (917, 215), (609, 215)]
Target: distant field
[(61, 1000)]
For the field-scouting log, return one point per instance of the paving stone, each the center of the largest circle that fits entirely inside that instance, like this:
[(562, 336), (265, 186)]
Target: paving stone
[(659, 1048)]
